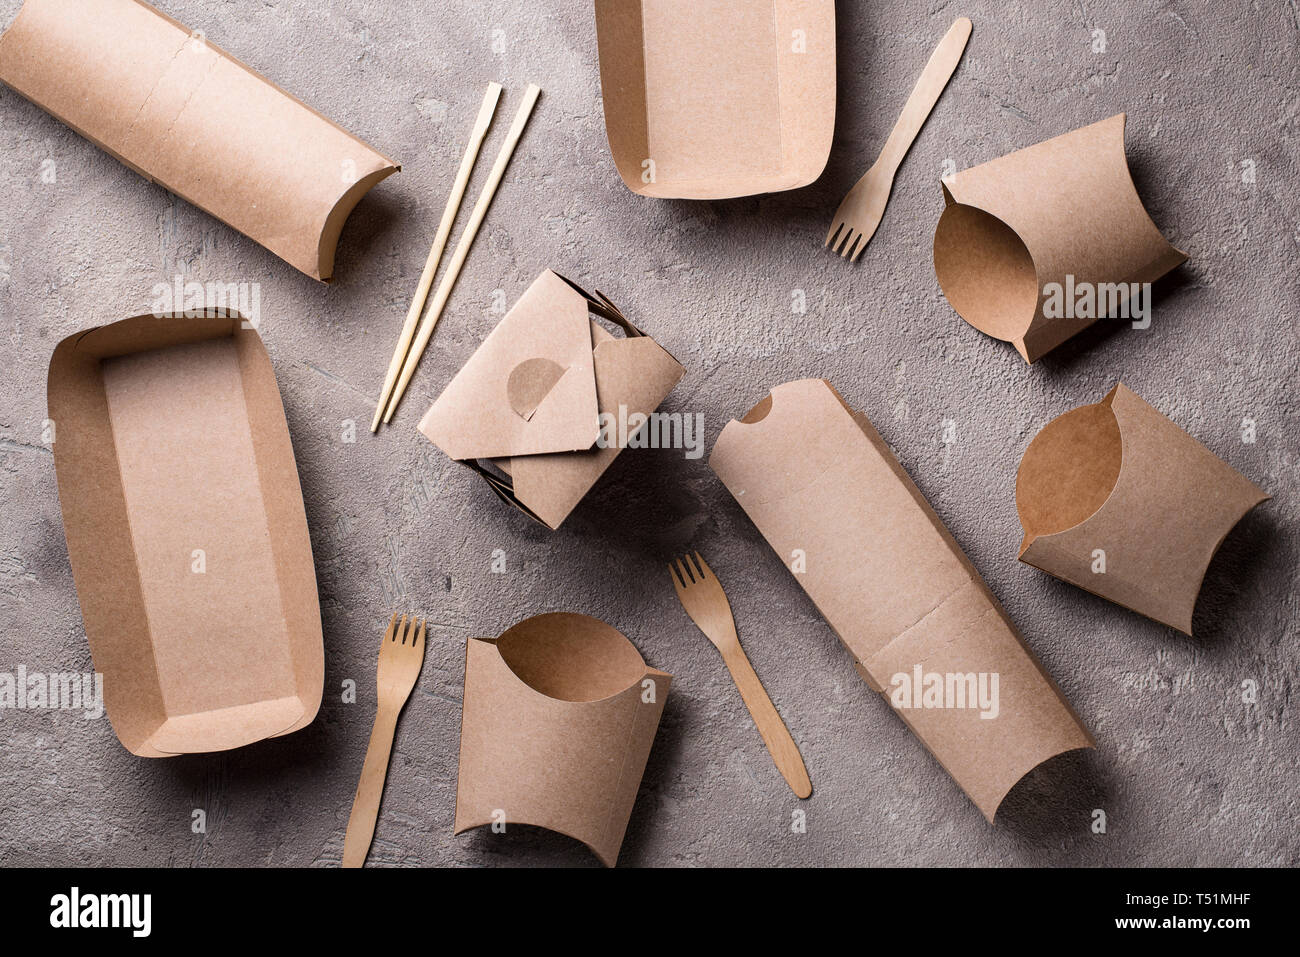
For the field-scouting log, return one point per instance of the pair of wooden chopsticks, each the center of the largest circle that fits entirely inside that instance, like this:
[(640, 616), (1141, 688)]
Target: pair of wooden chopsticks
[(412, 343)]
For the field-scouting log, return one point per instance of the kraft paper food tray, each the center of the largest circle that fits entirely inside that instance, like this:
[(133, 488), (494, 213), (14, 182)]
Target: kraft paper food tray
[(1118, 500), (1064, 211), (186, 533), (717, 98), (832, 500), (190, 117), (558, 718), (529, 400)]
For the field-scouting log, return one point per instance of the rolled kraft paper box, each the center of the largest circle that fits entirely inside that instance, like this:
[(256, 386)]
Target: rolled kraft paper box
[(558, 718), (186, 533), (717, 98), (188, 116), (824, 489), (1118, 500), (1038, 245), (540, 392)]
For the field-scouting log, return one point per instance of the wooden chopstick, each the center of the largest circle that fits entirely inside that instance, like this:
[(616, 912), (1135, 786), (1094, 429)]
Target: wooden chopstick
[(462, 248), (476, 137)]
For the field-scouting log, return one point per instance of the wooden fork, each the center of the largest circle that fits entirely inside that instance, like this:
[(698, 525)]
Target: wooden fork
[(860, 213), (702, 596), (401, 655)]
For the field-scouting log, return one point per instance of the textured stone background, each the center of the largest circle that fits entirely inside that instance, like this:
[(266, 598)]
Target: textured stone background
[(1186, 772)]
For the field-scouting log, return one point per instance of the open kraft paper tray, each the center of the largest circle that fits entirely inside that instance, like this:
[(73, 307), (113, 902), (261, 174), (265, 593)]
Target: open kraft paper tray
[(714, 99), (186, 533)]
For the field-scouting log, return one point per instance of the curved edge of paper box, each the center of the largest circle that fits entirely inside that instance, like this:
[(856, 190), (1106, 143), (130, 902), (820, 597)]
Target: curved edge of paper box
[(990, 811), (331, 228), (741, 448), (78, 462)]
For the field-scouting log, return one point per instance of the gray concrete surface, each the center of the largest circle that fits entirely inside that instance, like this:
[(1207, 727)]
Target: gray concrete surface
[(1185, 771)]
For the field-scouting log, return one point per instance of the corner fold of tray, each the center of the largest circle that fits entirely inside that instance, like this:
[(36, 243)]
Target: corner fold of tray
[(227, 728)]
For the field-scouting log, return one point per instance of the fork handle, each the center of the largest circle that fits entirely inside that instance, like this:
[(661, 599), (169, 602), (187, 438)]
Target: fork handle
[(785, 753), (365, 806), (934, 79)]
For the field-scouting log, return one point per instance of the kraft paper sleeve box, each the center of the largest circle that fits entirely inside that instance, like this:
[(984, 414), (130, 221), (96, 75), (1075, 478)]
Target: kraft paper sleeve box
[(818, 481), (531, 401), (558, 718), (1118, 500), (186, 533), (717, 98), (1064, 215), (188, 116)]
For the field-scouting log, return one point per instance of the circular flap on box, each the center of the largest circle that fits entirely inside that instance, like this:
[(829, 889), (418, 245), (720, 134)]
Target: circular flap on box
[(530, 382)]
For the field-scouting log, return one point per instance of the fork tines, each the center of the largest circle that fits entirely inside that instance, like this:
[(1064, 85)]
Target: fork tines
[(843, 238), (400, 632), (686, 574)]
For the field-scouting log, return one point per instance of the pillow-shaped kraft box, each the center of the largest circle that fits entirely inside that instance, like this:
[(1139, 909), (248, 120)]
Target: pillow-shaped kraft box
[(820, 484), (186, 533), (1116, 499), (1063, 213), (558, 718), (188, 116)]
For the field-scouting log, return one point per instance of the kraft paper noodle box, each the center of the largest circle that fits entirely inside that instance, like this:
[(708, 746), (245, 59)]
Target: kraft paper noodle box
[(188, 116), (186, 533), (1061, 215), (558, 718), (1118, 483), (525, 410), (817, 479)]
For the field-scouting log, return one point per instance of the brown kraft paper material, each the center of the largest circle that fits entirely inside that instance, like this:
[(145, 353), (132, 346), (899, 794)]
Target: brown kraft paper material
[(558, 719), (1118, 500), (193, 119), (830, 497), (529, 401), (717, 98), (186, 533), (1062, 212)]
